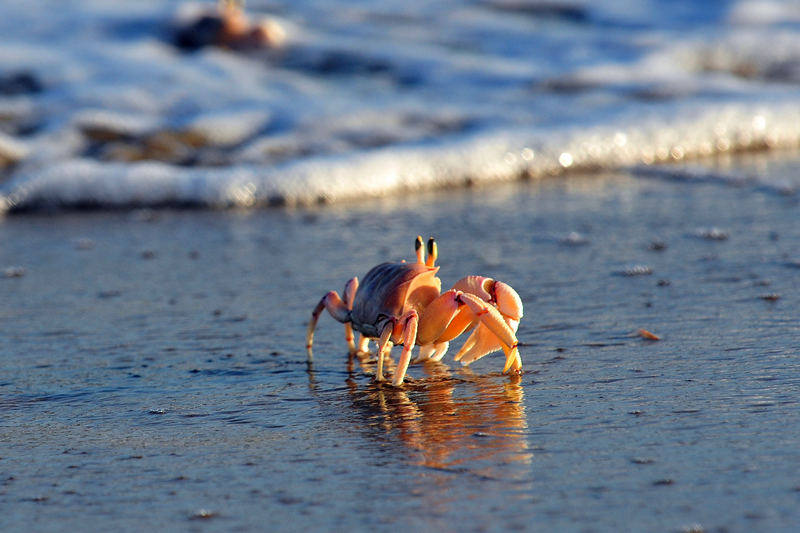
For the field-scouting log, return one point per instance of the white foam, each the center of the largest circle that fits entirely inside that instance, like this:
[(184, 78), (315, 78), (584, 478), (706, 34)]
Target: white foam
[(470, 98), (11, 149), (478, 159), (120, 123), (228, 128), (765, 12)]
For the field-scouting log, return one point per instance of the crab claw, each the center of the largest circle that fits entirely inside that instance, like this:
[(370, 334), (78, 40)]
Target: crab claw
[(513, 360), (510, 306), (477, 285), (497, 293), (498, 334), (482, 342), (509, 303)]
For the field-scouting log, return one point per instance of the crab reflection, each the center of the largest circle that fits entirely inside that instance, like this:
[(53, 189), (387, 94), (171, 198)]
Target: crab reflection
[(453, 421)]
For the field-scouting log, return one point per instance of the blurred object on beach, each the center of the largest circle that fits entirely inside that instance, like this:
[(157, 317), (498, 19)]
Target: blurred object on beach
[(647, 335), (227, 26)]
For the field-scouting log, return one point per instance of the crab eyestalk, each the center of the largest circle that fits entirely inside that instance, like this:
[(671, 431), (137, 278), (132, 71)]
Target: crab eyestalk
[(433, 252), (419, 250)]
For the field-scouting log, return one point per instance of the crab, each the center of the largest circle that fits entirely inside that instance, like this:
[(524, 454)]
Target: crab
[(402, 303)]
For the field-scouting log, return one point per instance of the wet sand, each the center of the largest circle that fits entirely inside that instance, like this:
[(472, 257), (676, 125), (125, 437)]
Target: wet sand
[(154, 373)]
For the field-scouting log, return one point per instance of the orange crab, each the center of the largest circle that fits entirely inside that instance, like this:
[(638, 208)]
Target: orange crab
[(400, 303)]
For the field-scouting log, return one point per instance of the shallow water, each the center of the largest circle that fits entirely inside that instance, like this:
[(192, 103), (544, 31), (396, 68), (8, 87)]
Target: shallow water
[(154, 374)]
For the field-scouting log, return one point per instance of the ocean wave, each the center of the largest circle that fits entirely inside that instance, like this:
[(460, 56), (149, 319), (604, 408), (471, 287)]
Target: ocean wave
[(100, 108), (476, 159)]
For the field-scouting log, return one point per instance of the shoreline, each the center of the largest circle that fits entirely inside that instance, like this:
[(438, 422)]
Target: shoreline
[(649, 146)]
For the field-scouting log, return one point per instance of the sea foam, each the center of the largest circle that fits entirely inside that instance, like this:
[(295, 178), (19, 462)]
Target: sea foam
[(98, 108)]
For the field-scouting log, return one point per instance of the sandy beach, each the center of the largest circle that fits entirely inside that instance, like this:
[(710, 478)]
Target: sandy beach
[(154, 372)]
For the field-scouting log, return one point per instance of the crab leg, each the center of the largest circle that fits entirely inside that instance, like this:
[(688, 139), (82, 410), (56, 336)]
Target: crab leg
[(349, 292), (384, 343), (337, 309), (407, 325), (363, 345)]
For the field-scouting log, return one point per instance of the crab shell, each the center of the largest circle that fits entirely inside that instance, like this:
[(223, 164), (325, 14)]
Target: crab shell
[(390, 290)]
